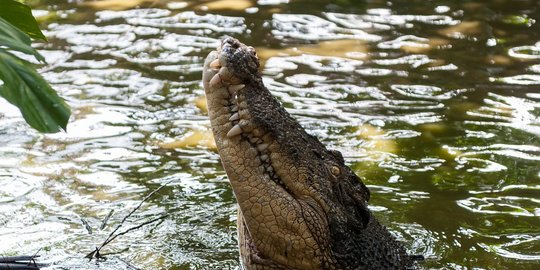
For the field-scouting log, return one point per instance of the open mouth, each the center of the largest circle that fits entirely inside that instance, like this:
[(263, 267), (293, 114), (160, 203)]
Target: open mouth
[(229, 92)]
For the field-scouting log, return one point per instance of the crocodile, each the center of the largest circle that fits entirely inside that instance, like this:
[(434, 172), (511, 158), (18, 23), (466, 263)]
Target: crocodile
[(300, 206)]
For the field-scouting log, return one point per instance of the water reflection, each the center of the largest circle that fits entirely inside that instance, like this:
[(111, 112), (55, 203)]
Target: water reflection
[(435, 106), (303, 27), (518, 113), (525, 52), (191, 20)]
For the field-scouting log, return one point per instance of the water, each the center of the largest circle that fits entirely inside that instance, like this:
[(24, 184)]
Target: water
[(435, 105)]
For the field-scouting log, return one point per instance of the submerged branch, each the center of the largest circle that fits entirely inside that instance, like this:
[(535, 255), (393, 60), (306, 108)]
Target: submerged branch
[(136, 227), (19, 263), (96, 253)]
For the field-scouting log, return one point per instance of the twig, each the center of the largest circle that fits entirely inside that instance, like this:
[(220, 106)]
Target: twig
[(106, 220), (129, 215), (129, 265), (4, 259), (136, 227), (19, 262), (86, 225), (96, 253)]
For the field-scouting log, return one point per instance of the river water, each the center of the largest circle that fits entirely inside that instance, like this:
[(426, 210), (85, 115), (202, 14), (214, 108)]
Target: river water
[(435, 104)]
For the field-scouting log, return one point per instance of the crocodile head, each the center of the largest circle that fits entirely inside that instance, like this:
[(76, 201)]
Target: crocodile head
[(300, 206)]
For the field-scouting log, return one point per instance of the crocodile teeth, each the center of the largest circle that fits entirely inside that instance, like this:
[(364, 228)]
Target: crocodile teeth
[(215, 64), (234, 88), (225, 73), (262, 146), (236, 130), (254, 139), (264, 157), (234, 117), (215, 81)]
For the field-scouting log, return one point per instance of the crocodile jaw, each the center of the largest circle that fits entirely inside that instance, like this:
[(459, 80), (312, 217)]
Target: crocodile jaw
[(272, 228), (300, 206)]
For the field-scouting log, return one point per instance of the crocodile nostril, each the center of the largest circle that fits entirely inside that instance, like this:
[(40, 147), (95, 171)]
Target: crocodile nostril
[(235, 44), (227, 42)]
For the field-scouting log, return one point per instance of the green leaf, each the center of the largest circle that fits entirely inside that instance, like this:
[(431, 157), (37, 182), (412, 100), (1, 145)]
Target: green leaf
[(40, 106), (20, 15), (16, 40)]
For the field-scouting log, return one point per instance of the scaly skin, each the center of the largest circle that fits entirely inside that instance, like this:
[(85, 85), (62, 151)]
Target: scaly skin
[(300, 206)]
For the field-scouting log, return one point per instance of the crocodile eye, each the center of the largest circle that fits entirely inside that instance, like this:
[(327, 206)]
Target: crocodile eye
[(335, 170)]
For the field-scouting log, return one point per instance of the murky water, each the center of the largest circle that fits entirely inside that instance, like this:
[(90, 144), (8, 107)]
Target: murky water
[(435, 105)]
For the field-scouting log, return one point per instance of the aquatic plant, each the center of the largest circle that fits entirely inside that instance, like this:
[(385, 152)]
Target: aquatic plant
[(22, 85)]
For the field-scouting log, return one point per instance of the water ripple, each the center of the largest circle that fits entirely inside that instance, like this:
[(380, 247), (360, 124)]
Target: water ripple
[(515, 112), (425, 91), (355, 21), (525, 52), (190, 20), (514, 248), (313, 28), (414, 60), (171, 48), (407, 40), (385, 16), (16, 185), (522, 79), (92, 36), (381, 72), (422, 165), (320, 63), (535, 68), (123, 85), (509, 205), (478, 164), (107, 15)]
